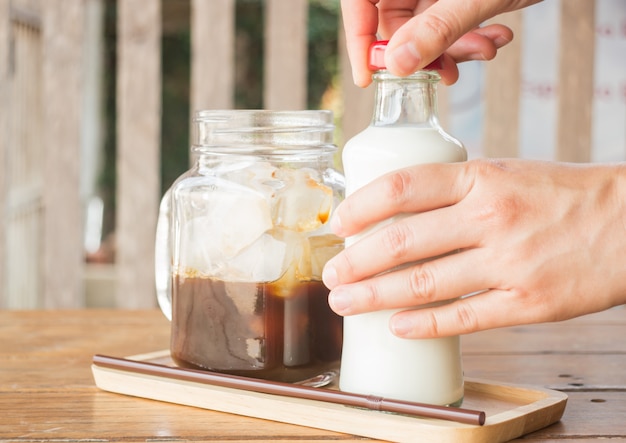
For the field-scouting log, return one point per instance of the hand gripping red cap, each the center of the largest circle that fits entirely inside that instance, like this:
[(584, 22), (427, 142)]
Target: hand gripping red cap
[(376, 58)]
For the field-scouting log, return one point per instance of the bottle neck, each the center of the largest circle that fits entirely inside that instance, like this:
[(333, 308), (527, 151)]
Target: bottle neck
[(410, 101)]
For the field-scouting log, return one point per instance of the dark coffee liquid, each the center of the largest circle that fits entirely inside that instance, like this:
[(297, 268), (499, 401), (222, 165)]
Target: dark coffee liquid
[(254, 329)]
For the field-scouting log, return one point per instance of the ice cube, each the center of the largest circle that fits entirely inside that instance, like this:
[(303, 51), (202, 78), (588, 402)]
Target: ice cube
[(304, 204), (262, 261), (231, 219), (252, 173)]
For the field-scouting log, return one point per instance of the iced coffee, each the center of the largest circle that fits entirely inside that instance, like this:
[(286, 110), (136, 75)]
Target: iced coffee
[(247, 297)]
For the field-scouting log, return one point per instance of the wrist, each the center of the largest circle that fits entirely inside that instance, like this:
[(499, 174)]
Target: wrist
[(620, 201), (620, 190)]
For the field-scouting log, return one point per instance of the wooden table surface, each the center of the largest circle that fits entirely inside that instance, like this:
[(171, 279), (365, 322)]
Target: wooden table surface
[(47, 391)]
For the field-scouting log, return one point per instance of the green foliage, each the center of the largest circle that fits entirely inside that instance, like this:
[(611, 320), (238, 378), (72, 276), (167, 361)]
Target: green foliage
[(107, 181), (249, 47), (175, 120), (322, 49)]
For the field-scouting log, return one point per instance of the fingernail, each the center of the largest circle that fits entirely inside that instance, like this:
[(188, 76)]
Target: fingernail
[(501, 41), (329, 276), (477, 56), (401, 326), (404, 59), (339, 301)]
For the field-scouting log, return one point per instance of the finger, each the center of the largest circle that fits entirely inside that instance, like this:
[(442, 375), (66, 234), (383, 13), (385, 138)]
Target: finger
[(415, 285), (360, 19), (449, 72), (499, 34), (408, 240), (414, 189), (488, 310), (392, 14), (480, 44), (429, 34)]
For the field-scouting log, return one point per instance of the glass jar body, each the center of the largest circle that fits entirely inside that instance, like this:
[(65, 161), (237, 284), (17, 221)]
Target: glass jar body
[(404, 131), (248, 239)]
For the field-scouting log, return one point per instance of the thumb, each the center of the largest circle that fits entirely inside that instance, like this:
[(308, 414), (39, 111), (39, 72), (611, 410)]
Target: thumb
[(429, 34)]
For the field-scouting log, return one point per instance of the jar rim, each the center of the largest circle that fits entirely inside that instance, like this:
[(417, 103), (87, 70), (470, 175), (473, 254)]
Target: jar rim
[(265, 150), (238, 131), (217, 115)]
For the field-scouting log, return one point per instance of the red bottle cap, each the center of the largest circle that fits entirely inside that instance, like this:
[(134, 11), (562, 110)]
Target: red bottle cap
[(376, 58)]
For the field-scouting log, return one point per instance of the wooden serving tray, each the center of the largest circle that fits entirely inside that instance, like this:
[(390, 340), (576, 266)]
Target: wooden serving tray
[(511, 410)]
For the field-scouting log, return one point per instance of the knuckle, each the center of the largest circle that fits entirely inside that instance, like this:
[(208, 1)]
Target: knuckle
[(488, 167), (431, 325), (466, 318), (371, 297), (421, 285), (503, 207), (498, 212), (444, 30), (396, 238), (397, 186)]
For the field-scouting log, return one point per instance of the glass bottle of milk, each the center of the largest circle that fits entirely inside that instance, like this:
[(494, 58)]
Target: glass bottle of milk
[(404, 131)]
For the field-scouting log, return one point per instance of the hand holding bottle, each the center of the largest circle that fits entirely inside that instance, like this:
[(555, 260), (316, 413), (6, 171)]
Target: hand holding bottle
[(420, 30), (537, 242)]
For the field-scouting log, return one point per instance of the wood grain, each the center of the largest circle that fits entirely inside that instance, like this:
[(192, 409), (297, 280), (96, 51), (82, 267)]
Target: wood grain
[(285, 59), (502, 94), (212, 54), (61, 101), (511, 411), (138, 149), (575, 93), (47, 391), (5, 105)]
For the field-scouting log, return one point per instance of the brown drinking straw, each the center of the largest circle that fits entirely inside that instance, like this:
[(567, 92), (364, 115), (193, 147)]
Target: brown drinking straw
[(460, 415)]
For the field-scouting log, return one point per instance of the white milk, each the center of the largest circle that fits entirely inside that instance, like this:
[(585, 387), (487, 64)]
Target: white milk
[(378, 150), (374, 361)]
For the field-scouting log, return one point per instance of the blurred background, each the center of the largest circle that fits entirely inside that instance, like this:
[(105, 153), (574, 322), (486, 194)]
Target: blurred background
[(96, 98)]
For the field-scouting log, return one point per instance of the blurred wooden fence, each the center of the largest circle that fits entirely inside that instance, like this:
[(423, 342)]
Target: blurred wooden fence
[(42, 102)]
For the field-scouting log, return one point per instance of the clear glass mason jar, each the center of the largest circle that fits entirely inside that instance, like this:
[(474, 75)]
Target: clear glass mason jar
[(241, 242)]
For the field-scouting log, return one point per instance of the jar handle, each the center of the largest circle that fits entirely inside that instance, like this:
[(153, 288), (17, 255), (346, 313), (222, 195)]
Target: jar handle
[(163, 257)]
